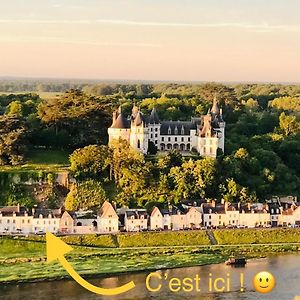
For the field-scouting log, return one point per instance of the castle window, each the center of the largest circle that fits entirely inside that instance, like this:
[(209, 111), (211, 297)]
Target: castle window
[(156, 129), (182, 139), (182, 130), (151, 135), (169, 130), (138, 144), (189, 139), (156, 135), (169, 139), (175, 139), (156, 142), (176, 130), (204, 150), (210, 150), (151, 129), (162, 139), (210, 142)]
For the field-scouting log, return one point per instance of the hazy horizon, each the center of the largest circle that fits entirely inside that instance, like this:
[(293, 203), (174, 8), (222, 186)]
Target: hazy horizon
[(225, 41)]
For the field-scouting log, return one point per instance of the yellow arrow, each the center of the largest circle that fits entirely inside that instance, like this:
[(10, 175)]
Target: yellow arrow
[(56, 249)]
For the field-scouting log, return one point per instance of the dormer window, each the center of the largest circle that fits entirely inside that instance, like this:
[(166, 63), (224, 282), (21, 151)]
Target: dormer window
[(142, 217), (132, 217), (169, 130), (176, 130), (182, 130)]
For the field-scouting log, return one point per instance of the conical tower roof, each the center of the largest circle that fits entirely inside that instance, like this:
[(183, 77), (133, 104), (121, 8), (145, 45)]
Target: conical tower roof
[(215, 108), (139, 119), (154, 119), (121, 122)]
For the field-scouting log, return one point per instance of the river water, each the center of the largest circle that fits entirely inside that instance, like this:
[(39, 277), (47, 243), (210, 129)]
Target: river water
[(285, 268)]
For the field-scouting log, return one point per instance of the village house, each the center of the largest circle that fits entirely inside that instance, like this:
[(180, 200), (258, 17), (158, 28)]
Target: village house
[(45, 220), (253, 215), (108, 221), (136, 220), (15, 219), (290, 212), (213, 214), (67, 222), (156, 219), (178, 219), (193, 218), (86, 222)]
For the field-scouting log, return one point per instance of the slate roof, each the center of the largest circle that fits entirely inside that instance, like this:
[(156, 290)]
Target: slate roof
[(10, 210), (56, 213), (218, 209), (154, 119), (136, 213), (165, 125)]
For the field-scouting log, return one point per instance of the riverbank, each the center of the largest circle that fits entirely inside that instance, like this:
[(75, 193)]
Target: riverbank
[(25, 260)]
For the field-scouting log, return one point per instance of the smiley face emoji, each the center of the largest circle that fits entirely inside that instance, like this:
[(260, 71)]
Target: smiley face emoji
[(264, 282)]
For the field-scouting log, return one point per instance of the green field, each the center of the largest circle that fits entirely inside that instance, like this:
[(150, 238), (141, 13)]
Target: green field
[(26, 260), (41, 160), (48, 157)]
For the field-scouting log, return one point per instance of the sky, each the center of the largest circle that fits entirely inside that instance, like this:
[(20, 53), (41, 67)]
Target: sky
[(171, 40)]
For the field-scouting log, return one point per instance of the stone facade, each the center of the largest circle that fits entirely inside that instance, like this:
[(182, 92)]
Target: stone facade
[(205, 134)]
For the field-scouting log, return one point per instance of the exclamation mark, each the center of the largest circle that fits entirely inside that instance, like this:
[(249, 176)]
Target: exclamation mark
[(242, 282)]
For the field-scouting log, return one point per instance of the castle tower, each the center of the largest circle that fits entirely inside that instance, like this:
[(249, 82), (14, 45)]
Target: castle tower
[(211, 134), (138, 131), (154, 128), (120, 128)]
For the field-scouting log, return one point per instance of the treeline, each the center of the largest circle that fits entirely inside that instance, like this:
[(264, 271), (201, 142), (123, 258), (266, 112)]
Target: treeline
[(262, 143)]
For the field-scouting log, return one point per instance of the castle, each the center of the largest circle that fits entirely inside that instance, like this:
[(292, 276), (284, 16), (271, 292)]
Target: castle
[(204, 134)]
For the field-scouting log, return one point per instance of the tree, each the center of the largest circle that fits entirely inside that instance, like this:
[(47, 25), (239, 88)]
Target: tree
[(172, 159), (289, 124), (90, 161), (123, 156), (152, 149), (194, 179), (12, 140), (82, 117), (14, 109), (85, 195)]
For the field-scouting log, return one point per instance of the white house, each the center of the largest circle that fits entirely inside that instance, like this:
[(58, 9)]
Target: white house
[(67, 222), (156, 219), (108, 221), (46, 220), (193, 218), (136, 220), (15, 219), (253, 215)]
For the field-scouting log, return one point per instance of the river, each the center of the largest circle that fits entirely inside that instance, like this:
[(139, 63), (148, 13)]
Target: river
[(285, 268)]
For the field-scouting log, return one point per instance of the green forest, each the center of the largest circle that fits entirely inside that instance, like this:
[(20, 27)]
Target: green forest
[(262, 140)]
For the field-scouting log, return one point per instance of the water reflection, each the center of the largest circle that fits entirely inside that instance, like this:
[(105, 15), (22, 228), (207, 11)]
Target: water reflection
[(285, 268)]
